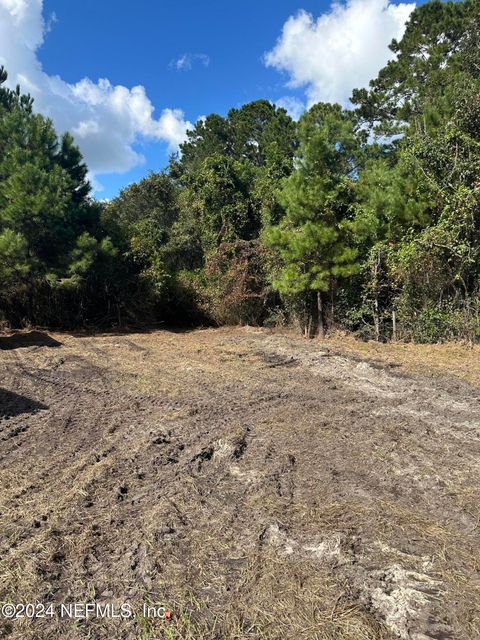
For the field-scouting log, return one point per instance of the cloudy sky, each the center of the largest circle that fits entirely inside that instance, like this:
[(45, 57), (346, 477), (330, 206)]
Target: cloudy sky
[(128, 78)]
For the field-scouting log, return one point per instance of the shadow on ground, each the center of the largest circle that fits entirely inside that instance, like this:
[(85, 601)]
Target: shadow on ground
[(12, 404)]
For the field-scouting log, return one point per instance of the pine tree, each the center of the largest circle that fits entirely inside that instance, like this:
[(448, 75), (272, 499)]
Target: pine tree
[(316, 238)]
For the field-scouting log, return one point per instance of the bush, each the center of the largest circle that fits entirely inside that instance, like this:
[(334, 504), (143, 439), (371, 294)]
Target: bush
[(440, 323)]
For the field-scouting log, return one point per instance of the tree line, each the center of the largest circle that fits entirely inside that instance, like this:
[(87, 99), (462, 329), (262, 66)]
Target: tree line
[(365, 218)]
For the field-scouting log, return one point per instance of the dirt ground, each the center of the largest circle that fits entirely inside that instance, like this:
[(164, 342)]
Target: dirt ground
[(256, 484)]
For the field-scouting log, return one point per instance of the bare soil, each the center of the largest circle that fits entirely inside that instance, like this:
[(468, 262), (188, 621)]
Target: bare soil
[(259, 485)]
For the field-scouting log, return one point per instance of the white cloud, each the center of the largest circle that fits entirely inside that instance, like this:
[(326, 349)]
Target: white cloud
[(294, 106), (86, 128), (186, 61), (341, 50), (106, 120)]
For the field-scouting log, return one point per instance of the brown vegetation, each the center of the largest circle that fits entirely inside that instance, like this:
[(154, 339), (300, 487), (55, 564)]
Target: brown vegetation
[(260, 485)]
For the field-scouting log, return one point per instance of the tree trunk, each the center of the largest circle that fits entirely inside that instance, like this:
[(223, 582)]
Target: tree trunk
[(321, 318), (311, 311), (376, 319), (394, 326), (333, 288), (376, 310)]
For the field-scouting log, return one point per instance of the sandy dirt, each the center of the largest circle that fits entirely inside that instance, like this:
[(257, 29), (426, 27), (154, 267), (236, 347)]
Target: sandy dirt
[(256, 484)]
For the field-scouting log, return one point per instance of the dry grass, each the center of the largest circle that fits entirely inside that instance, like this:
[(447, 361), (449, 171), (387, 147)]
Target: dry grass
[(346, 472), (460, 359)]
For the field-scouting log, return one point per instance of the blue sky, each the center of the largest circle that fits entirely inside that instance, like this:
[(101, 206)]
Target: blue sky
[(191, 58), (234, 35)]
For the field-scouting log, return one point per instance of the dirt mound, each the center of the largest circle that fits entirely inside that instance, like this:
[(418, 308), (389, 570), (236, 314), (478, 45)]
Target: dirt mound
[(28, 339), (257, 485)]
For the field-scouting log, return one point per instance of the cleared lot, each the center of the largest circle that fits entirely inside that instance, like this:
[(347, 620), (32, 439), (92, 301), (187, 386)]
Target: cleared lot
[(260, 485)]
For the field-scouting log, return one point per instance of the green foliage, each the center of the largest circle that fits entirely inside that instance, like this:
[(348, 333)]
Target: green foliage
[(206, 211), (218, 197), (315, 239), (255, 133), (48, 226), (417, 85), (390, 198), (228, 176), (140, 220), (419, 203), (368, 219), (14, 265)]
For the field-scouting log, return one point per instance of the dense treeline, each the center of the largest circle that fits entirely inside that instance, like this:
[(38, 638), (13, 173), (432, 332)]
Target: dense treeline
[(367, 219)]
